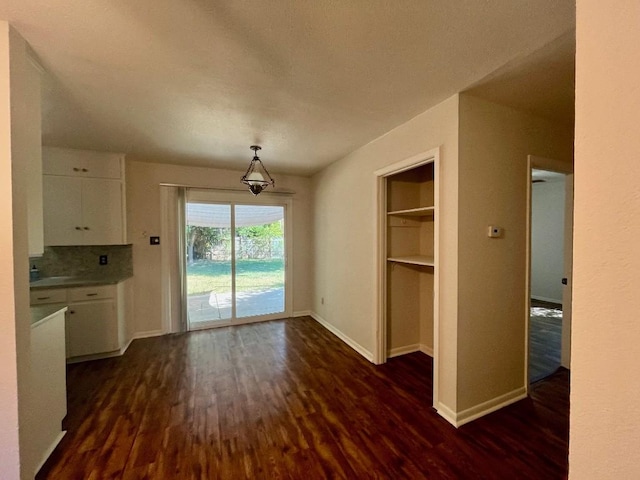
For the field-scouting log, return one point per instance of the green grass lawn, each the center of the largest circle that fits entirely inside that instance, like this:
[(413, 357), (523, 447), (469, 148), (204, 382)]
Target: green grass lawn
[(205, 276)]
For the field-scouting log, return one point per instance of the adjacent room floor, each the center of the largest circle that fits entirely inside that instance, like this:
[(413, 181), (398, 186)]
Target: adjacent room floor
[(545, 339), (287, 399)]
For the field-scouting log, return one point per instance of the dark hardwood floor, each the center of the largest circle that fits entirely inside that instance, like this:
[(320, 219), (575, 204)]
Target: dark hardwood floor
[(287, 399)]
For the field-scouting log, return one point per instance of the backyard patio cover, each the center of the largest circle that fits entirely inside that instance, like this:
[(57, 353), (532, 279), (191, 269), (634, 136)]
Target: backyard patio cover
[(219, 215)]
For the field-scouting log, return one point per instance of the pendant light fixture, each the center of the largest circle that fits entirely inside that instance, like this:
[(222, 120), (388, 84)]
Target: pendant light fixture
[(257, 177)]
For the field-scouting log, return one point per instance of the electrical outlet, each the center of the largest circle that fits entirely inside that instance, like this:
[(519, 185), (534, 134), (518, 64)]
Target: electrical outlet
[(104, 259)]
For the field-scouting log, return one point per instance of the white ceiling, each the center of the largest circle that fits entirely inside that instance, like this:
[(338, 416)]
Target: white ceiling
[(198, 81)]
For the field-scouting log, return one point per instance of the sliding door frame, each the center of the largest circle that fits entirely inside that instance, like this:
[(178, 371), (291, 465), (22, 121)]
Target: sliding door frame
[(234, 198)]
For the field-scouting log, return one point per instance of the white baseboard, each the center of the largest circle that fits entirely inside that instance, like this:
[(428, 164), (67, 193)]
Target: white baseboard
[(446, 413), (349, 341), (148, 334), (47, 453), (95, 356), (302, 313), (482, 409), (426, 349), (418, 347), (546, 299), (396, 352)]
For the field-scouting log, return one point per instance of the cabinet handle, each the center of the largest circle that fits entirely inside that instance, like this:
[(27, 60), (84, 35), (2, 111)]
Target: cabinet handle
[(86, 228), (85, 170), (78, 228), (72, 312), (75, 169), (43, 298), (91, 294)]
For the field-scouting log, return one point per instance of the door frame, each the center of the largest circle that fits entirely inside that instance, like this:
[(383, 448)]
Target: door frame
[(381, 332), (552, 165), (243, 198)]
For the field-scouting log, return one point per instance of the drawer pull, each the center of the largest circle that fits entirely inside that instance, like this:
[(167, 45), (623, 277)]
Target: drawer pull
[(91, 294), (43, 298), (78, 228), (72, 312), (86, 228), (85, 170), (76, 169)]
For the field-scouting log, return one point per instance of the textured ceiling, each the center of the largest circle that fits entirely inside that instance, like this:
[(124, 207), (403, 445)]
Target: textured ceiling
[(197, 82)]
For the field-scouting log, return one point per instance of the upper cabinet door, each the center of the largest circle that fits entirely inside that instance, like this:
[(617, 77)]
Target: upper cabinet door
[(102, 212), (81, 163), (62, 210), (84, 197)]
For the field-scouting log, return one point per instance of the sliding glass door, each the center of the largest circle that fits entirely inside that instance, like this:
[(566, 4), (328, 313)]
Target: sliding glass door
[(236, 259)]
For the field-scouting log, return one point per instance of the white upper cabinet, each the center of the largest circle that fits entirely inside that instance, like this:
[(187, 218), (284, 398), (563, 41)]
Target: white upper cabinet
[(81, 163), (84, 202)]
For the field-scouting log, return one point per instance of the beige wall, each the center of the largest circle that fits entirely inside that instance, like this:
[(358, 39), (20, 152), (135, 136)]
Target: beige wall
[(16, 138), (605, 361), (345, 229), (144, 217), (494, 144)]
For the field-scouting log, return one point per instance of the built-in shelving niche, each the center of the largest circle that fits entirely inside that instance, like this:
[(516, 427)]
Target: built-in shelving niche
[(410, 260)]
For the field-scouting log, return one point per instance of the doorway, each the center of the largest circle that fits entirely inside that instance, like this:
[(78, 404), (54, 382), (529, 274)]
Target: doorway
[(550, 226), (236, 259)]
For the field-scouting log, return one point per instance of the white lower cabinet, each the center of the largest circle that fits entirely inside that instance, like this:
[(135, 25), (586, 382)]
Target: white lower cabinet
[(96, 318), (92, 328)]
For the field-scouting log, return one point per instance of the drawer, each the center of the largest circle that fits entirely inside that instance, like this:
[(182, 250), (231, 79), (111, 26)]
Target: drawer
[(82, 294), (54, 295)]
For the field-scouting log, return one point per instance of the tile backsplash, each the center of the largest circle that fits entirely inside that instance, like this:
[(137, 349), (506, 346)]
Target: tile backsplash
[(84, 261)]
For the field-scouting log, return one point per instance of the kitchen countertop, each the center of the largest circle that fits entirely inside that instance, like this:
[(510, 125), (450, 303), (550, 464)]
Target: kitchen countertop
[(42, 313), (65, 282)]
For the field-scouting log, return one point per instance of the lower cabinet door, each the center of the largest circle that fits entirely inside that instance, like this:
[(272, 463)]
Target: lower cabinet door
[(92, 327)]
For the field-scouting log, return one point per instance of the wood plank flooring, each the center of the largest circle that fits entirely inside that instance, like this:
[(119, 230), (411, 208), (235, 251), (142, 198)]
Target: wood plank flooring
[(287, 399), (545, 339)]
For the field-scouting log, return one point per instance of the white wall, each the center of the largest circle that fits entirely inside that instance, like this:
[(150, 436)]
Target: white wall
[(547, 240), (345, 215), (605, 362), (144, 219), (16, 137), (494, 143)]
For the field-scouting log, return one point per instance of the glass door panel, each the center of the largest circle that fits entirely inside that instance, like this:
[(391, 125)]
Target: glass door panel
[(235, 262), (259, 260), (209, 280)]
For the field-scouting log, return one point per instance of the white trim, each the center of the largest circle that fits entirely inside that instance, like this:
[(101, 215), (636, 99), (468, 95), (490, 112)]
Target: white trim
[(380, 332), (240, 321), (446, 413), (546, 299), (302, 313), (398, 351), (427, 350), (148, 334), (482, 409), (233, 199), (346, 339), (47, 453), (100, 356), (552, 165), (408, 163), (418, 347)]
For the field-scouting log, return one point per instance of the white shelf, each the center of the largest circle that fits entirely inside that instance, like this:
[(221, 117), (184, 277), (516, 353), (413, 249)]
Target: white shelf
[(414, 212), (413, 260)]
